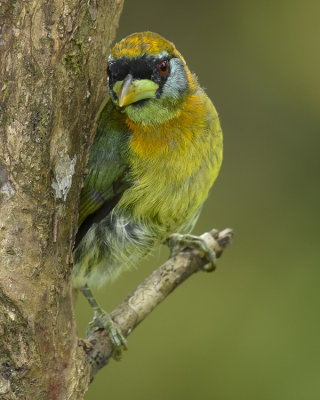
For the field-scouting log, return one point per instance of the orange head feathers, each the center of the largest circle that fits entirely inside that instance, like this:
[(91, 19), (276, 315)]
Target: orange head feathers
[(144, 43)]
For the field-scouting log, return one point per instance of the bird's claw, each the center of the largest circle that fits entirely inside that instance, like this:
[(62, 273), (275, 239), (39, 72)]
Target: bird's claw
[(102, 320), (177, 242)]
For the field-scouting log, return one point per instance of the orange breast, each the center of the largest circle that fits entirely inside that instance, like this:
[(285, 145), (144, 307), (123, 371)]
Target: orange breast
[(152, 141)]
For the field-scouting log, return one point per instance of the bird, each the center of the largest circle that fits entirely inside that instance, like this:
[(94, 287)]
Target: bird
[(156, 154)]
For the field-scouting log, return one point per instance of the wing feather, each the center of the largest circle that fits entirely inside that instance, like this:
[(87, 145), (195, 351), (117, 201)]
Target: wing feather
[(108, 168)]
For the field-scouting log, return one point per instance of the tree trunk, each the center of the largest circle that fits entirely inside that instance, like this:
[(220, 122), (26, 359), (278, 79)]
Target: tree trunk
[(53, 57)]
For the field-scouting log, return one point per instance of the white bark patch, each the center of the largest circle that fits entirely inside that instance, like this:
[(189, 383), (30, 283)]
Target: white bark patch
[(64, 170), (4, 385), (5, 185), (12, 315), (7, 189)]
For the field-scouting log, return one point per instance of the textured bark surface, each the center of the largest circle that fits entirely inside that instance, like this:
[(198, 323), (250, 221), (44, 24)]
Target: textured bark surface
[(52, 80)]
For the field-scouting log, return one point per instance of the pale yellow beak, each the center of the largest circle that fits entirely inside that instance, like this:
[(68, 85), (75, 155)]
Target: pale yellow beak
[(130, 91)]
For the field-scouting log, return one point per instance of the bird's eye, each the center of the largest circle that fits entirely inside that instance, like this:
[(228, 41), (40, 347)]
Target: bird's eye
[(163, 67)]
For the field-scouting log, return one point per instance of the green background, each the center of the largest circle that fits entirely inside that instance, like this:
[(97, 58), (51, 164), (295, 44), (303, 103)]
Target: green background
[(251, 330)]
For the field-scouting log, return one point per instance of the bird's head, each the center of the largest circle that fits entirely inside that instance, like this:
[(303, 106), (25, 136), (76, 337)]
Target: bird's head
[(148, 78)]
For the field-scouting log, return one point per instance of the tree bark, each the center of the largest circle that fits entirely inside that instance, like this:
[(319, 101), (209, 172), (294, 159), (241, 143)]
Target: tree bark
[(53, 57)]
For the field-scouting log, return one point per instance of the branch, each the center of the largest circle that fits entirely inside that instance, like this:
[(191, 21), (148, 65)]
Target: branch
[(141, 301)]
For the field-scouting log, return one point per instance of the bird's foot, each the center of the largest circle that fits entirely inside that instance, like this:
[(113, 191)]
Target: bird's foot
[(102, 320), (177, 242)]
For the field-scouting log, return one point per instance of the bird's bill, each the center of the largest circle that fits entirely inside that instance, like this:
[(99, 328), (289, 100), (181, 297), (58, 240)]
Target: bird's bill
[(130, 91)]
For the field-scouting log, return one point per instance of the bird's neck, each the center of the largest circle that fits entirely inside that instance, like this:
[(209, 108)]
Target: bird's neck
[(159, 139)]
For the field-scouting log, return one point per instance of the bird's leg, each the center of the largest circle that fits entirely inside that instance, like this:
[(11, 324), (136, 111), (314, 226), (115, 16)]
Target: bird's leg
[(177, 242), (101, 319)]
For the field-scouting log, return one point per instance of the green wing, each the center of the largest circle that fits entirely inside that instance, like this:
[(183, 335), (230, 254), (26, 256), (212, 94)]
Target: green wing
[(107, 178)]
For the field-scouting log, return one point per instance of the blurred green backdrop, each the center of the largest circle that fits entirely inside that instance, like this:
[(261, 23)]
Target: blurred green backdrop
[(251, 330)]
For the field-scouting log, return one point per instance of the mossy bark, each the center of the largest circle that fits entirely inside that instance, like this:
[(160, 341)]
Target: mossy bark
[(53, 57)]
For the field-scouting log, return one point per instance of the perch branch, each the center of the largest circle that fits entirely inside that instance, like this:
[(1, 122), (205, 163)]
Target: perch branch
[(152, 291)]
